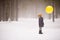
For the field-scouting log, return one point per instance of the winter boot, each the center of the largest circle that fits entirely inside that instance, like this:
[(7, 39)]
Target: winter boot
[(40, 32)]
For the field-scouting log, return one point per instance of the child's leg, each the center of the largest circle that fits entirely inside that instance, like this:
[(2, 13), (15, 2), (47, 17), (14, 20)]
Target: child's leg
[(40, 30)]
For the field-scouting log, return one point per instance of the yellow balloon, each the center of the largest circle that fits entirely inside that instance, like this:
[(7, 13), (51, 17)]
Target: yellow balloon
[(49, 9)]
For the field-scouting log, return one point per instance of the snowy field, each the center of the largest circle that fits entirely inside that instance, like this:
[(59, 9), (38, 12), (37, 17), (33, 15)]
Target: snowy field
[(28, 29)]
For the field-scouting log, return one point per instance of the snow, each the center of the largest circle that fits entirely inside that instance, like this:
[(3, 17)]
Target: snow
[(28, 29)]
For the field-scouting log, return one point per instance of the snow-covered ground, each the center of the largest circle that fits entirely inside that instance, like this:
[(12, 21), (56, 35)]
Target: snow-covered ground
[(28, 29)]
